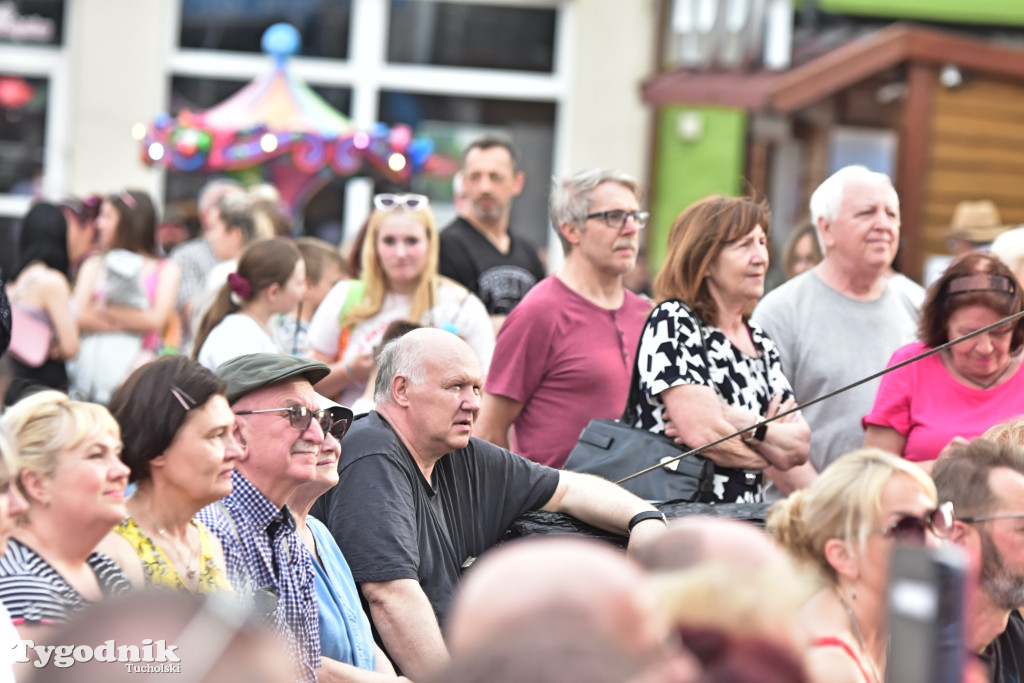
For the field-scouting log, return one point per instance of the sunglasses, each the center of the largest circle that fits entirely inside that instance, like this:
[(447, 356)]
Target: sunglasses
[(409, 202), (912, 530), (333, 421)]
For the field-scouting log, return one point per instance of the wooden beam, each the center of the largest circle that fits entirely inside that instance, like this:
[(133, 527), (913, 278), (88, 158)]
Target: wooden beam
[(937, 47), (912, 165), (839, 69)]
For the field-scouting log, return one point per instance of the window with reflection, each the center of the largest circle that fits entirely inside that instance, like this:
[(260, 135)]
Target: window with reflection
[(23, 103), (31, 22), (454, 122), (238, 25), (482, 36)]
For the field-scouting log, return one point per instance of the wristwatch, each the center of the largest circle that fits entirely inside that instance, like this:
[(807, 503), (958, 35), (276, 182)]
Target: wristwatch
[(644, 516), (756, 435)]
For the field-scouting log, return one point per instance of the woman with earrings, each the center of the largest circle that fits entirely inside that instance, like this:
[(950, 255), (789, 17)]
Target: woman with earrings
[(178, 443), (74, 483), (965, 389), (399, 282), (270, 280), (844, 526), (124, 295)]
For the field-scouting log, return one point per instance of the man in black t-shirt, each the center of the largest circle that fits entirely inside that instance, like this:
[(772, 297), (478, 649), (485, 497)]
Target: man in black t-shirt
[(419, 498), (985, 483), (477, 249)]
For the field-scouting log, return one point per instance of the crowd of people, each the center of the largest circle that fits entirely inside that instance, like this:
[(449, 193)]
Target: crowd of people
[(321, 459)]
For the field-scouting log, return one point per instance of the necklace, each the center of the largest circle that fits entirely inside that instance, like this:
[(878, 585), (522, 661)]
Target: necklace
[(983, 386), (186, 561), (855, 629)]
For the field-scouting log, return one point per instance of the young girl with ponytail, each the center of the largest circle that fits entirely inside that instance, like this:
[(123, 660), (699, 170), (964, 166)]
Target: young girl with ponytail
[(271, 279)]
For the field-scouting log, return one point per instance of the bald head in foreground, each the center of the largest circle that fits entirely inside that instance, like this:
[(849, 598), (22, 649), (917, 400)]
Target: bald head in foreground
[(419, 497)]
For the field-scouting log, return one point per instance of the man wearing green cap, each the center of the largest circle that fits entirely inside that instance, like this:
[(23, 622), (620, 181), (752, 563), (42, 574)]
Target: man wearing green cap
[(281, 428)]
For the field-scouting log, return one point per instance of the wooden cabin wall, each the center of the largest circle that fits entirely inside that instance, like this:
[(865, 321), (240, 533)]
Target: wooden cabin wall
[(977, 152)]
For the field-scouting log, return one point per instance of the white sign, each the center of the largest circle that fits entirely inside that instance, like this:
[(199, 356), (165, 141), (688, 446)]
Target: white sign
[(25, 29)]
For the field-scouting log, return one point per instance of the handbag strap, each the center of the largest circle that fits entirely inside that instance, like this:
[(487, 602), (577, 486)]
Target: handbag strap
[(634, 383)]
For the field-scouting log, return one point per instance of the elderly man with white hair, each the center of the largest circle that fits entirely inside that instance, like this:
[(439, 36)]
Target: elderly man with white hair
[(841, 320)]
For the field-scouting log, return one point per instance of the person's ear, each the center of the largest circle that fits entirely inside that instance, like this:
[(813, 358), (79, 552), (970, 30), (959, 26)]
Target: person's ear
[(518, 181), (960, 533), (36, 486), (825, 232), (400, 390), (571, 232), (239, 433), (841, 557)]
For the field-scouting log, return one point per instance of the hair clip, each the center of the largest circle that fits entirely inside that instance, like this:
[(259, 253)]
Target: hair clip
[(186, 401), (127, 199)]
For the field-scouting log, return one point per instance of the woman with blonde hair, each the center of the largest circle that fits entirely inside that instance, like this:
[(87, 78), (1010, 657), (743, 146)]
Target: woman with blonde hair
[(271, 279), (845, 526), (74, 481), (399, 282)]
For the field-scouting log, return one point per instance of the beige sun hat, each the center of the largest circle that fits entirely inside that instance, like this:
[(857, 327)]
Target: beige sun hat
[(977, 221)]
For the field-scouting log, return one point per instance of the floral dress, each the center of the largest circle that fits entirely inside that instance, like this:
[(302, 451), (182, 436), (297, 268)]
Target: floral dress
[(160, 570)]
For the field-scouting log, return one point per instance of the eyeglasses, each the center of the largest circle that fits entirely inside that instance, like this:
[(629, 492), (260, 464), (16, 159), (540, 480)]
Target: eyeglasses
[(616, 218), (300, 417), (409, 202), (342, 421), (985, 518), (910, 529)]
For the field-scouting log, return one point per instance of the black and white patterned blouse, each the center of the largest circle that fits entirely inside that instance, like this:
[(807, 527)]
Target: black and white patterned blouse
[(35, 593), (671, 354)]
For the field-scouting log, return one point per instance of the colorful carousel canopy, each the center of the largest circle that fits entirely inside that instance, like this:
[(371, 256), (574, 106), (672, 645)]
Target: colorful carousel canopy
[(280, 124)]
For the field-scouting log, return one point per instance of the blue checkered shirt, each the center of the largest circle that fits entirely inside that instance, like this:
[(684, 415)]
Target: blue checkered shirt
[(264, 553)]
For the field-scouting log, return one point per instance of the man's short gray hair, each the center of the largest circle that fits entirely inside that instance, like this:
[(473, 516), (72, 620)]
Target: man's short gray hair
[(570, 197), (399, 357), (828, 198)]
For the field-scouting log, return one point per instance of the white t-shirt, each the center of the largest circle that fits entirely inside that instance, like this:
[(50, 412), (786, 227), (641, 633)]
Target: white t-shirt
[(456, 310), (204, 297), (236, 335)]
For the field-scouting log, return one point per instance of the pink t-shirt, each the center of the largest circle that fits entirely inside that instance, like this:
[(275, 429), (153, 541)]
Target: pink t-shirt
[(567, 361), (926, 405)]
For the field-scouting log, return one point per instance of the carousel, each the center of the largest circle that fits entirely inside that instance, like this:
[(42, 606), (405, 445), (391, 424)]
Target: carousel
[(291, 137)]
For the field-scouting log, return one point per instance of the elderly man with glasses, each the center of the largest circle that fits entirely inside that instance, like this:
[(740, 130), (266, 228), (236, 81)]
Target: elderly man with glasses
[(567, 350), (281, 427)]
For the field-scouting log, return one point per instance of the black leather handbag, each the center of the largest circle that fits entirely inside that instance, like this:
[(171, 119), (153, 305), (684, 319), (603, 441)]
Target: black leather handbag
[(613, 450)]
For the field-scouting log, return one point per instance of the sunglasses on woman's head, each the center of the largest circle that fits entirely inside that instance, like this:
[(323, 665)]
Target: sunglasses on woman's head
[(409, 202), (910, 529)]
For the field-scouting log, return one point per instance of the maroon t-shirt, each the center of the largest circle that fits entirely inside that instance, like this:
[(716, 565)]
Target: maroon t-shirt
[(568, 361)]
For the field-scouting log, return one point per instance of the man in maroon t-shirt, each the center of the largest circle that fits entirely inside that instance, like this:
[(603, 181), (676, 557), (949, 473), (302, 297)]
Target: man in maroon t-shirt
[(565, 354)]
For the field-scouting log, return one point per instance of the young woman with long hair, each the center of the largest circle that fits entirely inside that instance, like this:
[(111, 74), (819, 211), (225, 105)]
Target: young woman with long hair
[(271, 279)]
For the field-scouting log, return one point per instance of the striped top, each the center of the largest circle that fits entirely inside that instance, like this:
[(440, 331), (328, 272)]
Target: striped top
[(35, 593)]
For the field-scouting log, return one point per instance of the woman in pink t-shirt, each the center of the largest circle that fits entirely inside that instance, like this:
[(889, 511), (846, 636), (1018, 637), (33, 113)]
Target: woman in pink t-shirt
[(963, 390)]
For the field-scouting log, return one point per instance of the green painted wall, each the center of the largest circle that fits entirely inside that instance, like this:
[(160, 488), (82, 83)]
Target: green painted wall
[(685, 171), (996, 12)]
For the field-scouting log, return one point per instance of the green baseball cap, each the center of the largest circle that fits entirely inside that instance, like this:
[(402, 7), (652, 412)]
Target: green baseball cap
[(253, 371)]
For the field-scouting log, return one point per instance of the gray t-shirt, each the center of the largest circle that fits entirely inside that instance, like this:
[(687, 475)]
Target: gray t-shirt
[(827, 341)]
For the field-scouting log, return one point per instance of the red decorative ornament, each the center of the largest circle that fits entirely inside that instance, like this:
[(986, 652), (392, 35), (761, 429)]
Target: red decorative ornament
[(15, 92)]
